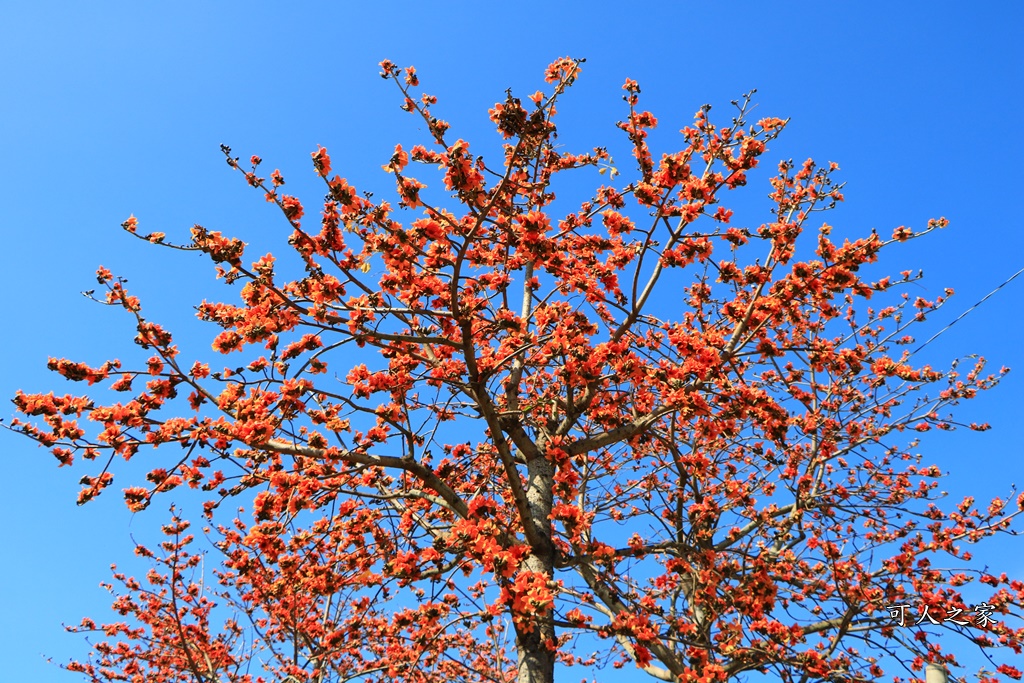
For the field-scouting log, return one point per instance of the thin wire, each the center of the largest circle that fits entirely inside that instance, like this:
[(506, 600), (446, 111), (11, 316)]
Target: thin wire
[(964, 314)]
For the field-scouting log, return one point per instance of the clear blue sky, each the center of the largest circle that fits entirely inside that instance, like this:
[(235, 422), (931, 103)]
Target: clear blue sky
[(113, 108)]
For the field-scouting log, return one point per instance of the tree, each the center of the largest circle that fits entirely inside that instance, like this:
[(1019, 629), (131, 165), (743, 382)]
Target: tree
[(630, 426)]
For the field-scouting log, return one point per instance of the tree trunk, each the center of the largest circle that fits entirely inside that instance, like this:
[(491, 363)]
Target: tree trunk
[(536, 658)]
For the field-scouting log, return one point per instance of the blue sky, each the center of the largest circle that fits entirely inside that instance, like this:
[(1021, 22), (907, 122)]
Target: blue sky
[(114, 108)]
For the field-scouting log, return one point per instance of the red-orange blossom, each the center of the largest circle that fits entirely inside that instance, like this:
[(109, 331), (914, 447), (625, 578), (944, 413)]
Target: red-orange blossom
[(543, 452)]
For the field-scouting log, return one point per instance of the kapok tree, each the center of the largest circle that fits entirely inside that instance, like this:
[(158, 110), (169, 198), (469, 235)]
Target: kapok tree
[(630, 429)]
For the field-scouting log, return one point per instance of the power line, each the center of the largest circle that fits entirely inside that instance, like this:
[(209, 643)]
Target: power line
[(964, 314)]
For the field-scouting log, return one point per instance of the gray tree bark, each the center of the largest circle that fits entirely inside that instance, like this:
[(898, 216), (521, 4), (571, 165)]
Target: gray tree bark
[(536, 659)]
